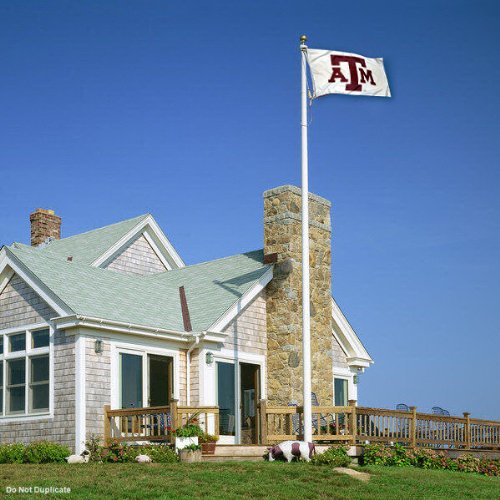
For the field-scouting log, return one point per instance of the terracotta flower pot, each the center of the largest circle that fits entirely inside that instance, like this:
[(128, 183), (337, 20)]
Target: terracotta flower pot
[(208, 448)]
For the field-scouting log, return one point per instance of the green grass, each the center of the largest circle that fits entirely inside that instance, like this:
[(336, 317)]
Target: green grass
[(244, 479)]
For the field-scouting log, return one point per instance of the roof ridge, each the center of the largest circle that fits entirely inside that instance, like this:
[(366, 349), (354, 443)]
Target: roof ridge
[(139, 217), (206, 262)]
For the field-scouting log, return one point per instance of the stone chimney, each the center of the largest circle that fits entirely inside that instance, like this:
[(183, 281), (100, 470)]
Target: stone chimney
[(44, 224), (282, 236)]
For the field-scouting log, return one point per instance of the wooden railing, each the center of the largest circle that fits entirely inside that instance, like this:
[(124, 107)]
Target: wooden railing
[(359, 425), (156, 423)]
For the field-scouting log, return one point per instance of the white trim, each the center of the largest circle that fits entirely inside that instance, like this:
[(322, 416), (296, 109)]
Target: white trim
[(47, 295), (162, 244), (350, 343), (243, 301), (67, 322), (80, 403), (156, 250), (8, 273), (27, 354)]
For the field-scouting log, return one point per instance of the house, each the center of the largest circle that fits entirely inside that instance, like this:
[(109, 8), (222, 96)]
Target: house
[(114, 317)]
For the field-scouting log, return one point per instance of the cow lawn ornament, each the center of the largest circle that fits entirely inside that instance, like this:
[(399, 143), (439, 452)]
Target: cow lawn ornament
[(289, 449), (79, 459)]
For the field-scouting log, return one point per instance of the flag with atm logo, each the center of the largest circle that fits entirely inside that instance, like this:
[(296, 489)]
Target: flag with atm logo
[(343, 73)]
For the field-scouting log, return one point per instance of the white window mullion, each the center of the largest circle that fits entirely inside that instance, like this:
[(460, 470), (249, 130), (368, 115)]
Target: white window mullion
[(27, 374)]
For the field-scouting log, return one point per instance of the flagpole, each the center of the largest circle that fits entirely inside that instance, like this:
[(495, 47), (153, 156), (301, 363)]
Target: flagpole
[(306, 317)]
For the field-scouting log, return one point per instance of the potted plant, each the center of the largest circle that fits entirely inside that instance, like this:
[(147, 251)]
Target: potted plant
[(208, 443), (191, 453), (187, 435)]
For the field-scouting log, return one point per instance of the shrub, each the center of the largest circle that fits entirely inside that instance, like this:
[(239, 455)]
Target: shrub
[(376, 454), (335, 456), (39, 452), (94, 447), (118, 453), (161, 453), (427, 459), (43, 452)]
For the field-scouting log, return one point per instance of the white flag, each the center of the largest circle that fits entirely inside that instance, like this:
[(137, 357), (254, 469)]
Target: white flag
[(344, 73)]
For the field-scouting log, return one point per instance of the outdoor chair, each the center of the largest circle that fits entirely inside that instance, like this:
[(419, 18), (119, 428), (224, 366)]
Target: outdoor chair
[(437, 410), (296, 417), (403, 424)]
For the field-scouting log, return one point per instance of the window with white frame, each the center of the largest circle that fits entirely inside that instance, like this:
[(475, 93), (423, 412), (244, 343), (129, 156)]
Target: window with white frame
[(25, 372)]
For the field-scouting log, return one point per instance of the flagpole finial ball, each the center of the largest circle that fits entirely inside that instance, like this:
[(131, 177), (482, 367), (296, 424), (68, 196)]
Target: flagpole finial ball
[(303, 39)]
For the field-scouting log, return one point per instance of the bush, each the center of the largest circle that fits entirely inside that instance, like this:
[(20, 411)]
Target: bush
[(94, 447), (117, 452), (426, 458), (335, 456), (120, 453), (161, 453), (39, 452)]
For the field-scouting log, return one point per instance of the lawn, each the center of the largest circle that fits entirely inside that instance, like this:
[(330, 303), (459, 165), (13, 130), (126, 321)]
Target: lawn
[(254, 480)]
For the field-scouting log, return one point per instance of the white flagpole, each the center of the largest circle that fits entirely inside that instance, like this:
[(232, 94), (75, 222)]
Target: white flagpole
[(306, 324)]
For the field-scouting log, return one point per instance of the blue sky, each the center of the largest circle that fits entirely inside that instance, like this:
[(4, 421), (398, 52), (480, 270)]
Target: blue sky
[(190, 110)]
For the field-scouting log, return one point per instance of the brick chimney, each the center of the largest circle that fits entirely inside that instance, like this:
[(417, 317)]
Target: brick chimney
[(282, 235), (44, 224)]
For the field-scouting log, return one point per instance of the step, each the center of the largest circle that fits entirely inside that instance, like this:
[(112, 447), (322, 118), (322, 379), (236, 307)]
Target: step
[(224, 458)]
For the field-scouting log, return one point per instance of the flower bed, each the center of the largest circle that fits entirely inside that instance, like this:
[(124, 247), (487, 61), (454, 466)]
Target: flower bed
[(425, 458)]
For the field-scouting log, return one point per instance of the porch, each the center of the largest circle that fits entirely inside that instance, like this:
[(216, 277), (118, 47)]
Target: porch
[(350, 425)]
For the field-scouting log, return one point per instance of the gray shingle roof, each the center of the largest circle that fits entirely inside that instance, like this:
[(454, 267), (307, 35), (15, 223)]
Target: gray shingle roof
[(153, 301), (87, 247)]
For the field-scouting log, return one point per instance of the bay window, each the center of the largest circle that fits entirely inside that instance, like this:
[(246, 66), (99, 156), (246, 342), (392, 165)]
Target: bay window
[(25, 372)]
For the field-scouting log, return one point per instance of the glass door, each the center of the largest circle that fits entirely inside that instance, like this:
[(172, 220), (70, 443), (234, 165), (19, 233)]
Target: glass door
[(131, 380), (249, 399), (226, 400), (160, 380)]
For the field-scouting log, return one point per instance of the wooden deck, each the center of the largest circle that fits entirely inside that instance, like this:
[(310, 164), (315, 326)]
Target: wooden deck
[(350, 425)]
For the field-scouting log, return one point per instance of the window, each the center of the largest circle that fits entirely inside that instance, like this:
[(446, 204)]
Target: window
[(39, 383), (16, 383), (17, 342), (40, 338), (25, 372), (340, 392)]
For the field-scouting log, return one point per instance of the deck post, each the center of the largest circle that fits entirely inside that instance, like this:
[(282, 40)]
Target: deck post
[(413, 427), (263, 421), (354, 421), (174, 416), (107, 425), (467, 430)]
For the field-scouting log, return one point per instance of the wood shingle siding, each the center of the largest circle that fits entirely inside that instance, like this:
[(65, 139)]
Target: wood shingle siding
[(97, 384), (20, 305), (138, 258), (247, 332)]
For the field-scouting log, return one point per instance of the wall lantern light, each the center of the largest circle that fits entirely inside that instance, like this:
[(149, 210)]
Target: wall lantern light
[(209, 358), (98, 346)]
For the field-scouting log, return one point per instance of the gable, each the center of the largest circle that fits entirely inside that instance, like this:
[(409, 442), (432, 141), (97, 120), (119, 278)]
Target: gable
[(138, 257), (20, 305)]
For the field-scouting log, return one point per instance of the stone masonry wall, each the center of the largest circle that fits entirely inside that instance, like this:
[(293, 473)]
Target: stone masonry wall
[(282, 235), (138, 258), (21, 306)]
